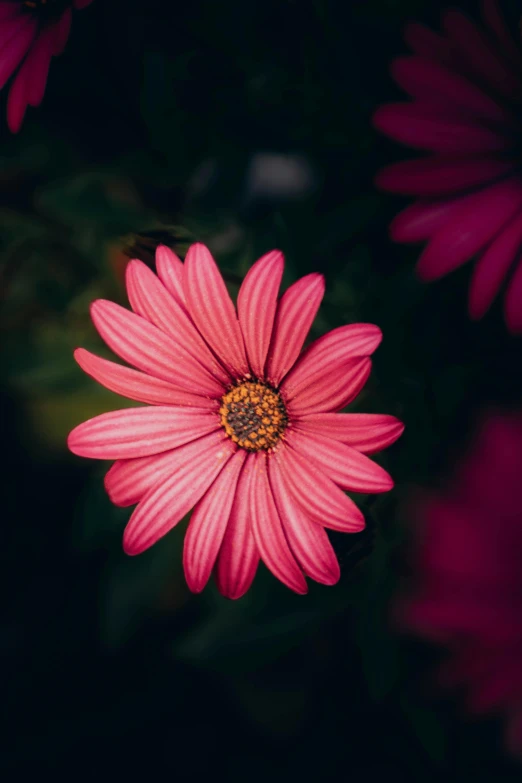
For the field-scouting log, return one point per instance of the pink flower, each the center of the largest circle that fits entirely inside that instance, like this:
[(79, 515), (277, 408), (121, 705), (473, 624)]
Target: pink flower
[(31, 32), (468, 593), (466, 89), (243, 426)]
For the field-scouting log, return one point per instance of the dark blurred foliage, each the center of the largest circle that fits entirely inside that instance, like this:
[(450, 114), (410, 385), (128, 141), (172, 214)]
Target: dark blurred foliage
[(247, 126)]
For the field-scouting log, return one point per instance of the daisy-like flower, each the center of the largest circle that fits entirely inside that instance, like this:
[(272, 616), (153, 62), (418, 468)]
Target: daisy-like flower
[(243, 426), (467, 594), (31, 32), (465, 111)]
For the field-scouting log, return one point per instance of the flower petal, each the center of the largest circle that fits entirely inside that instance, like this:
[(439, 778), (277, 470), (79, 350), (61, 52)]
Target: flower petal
[(208, 524), (167, 503), (39, 59), (331, 351), (14, 51), (436, 176), (212, 309), (366, 432), (492, 268), (422, 219), (428, 44), (295, 314), (9, 11), (146, 347), (61, 31), (513, 301), (239, 556), (422, 126), (428, 80), (470, 228), (332, 391), (137, 385), (308, 541), (496, 23), (170, 271), (346, 466), (139, 432), (479, 55), (316, 494), (256, 306), (150, 299), (267, 528), (128, 480)]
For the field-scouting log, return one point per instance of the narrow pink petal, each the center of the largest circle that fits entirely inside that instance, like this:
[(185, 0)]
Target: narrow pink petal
[(295, 314), (208, 524), (496, 23), (61, 30), (513, 301), (37, 63), (426, 80), (308, 541), (424, 127), (439, 176), (149, 298), (422, 219), (137, 385), (213, 311), (366, 432), (139, 432), (239, 556), (17, 100), (470, 228), (167, 503), (316, 494), (428, 44), (147, 348), (492, 268), (256, 306), (326, 354), (12, 54), (11, 26), (267, 529), (333, 391), (346, 466), (128, 480), (479, 55), (170, 271)]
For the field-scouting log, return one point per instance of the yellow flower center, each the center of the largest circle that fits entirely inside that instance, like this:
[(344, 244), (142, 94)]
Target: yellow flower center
[(253, 415)]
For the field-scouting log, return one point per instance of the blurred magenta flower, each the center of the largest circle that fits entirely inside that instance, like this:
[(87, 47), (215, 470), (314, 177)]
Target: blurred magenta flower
[(468, 593), (244, 427), (466, 89), (31, 32)]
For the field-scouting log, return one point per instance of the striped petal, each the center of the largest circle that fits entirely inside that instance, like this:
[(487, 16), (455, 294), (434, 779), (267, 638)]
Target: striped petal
[(256, 306), (170, 271), (317, 495), (308, 541), (328, 353), (147, 348), (239, 556), (167, 502), (139, 432), (366, 432), (295, 314), (208, 524), (332, 391), (212, 309), (137, 385), (346, 466), (267, 529), (492, 268), (129, 480), (150, 299), (470, 228)]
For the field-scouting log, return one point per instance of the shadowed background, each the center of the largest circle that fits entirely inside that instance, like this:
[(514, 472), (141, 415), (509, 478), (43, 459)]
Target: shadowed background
[(246, 126)]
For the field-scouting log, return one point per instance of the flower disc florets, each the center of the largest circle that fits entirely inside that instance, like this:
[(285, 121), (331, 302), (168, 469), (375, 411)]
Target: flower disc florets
[(253, 415)]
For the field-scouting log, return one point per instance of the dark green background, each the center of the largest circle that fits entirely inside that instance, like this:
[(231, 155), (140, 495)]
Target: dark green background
[(111, 666)]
